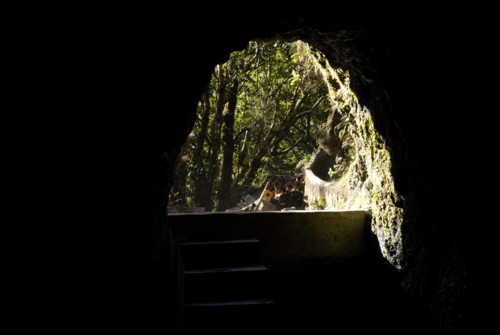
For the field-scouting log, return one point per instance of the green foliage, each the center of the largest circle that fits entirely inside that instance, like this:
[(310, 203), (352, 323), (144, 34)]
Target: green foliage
[(331, 173), (318, 204), (280, 106)]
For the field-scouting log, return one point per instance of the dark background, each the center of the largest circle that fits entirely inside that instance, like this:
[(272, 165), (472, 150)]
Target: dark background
[(119, 88)]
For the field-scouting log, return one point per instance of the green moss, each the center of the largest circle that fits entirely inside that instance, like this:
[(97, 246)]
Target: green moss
[(318, 203), (362, 174)]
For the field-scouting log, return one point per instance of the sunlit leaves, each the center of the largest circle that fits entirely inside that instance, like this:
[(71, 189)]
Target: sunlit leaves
[(278, 111)]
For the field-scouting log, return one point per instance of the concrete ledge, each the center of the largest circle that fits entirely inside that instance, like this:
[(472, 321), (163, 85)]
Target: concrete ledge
[(286, 237)]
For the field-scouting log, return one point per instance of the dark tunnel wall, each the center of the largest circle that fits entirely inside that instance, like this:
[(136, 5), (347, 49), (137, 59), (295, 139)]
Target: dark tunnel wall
[(138, 82)]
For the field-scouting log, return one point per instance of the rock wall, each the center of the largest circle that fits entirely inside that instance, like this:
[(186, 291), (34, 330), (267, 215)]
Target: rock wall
[(129, 127), (354, 158)]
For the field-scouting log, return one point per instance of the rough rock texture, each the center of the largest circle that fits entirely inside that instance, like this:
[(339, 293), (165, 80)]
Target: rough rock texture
[(360, 174), (130, 125), (332, 195)]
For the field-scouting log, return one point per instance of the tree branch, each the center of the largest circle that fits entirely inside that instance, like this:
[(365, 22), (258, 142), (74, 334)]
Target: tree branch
[(277, 153)]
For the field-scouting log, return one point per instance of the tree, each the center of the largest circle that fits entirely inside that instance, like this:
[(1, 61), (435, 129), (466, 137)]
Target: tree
[(225, 193), (257, 118)]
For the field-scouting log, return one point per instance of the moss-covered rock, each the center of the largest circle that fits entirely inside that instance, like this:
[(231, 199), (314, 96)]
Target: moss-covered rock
[(353, 168)]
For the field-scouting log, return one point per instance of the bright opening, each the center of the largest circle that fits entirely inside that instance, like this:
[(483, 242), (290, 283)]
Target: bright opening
[(278, 128)]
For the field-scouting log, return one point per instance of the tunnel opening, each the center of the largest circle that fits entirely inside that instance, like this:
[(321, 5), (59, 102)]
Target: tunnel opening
[(257, 123), (278, 121), (399, 68)]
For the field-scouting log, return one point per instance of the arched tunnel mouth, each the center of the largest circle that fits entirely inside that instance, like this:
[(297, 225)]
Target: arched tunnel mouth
[(254, 110), (133, 127)]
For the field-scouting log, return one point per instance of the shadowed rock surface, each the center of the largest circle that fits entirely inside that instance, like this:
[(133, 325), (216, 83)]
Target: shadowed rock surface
[(425, 79)]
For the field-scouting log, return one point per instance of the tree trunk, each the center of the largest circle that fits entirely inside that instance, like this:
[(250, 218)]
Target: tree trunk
[(242, 155), (254, 166), (205, 106), (206, 185), (225, 200), (202, 194)]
